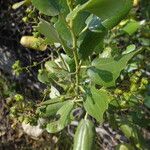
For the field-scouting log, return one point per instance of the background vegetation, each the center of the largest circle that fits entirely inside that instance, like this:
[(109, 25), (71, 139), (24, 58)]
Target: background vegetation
[(125, 122)]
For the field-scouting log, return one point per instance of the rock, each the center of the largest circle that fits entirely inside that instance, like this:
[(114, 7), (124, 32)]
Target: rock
[(34, 131)]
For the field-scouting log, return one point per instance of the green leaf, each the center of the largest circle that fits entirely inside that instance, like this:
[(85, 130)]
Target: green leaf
[(89, 43), (84, 136), (96, 103), (130, 131), (49, 32), (64, 32), (52, 36), (118, 15), (43, 76), (94, 24), (110, 11), (49, 110), (105, 8), (105, 71), (47, 7), (93, 38), (65, 114), (54, 68), (53, 108), (131, 27), (79, 22), (69, 62), (51, 101)]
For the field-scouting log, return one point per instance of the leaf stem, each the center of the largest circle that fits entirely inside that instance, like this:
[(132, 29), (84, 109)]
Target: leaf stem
[(75, 54), (74, 48), (86, 115), (70, 4)]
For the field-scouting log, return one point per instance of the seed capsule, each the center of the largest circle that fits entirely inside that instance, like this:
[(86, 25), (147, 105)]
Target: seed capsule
[(33, 43)]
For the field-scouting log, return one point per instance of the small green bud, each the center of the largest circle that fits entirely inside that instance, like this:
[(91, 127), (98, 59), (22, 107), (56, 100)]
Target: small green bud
[(62, 98), (40, 71), (26, 120), (21, 118), (12, 116), (142, 86), (13, 110), (126, 95), (25, 19), (31, 14), (36, 34), (134, 79), (144, 81), (18, 97), (133, 88), (28, 10), (123, 104), (138, 73), (118, 92)]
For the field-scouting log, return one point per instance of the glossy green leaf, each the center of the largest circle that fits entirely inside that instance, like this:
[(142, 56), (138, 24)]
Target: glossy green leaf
[(93, 38), (94, 24), (79, 22), (110, 11), (118, 15), (65, 117), (96, 103), (48, 30), (105, 71), (84, 136), (131, 27), (47, 7), (89, 43), (64, 32), (53, 108), (105, 8)]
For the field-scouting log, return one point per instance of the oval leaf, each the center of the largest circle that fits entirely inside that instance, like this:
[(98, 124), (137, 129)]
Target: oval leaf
[(96, 103), (84, 136), (47, 7), (105, 71), (48, 30), (65, 117)]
